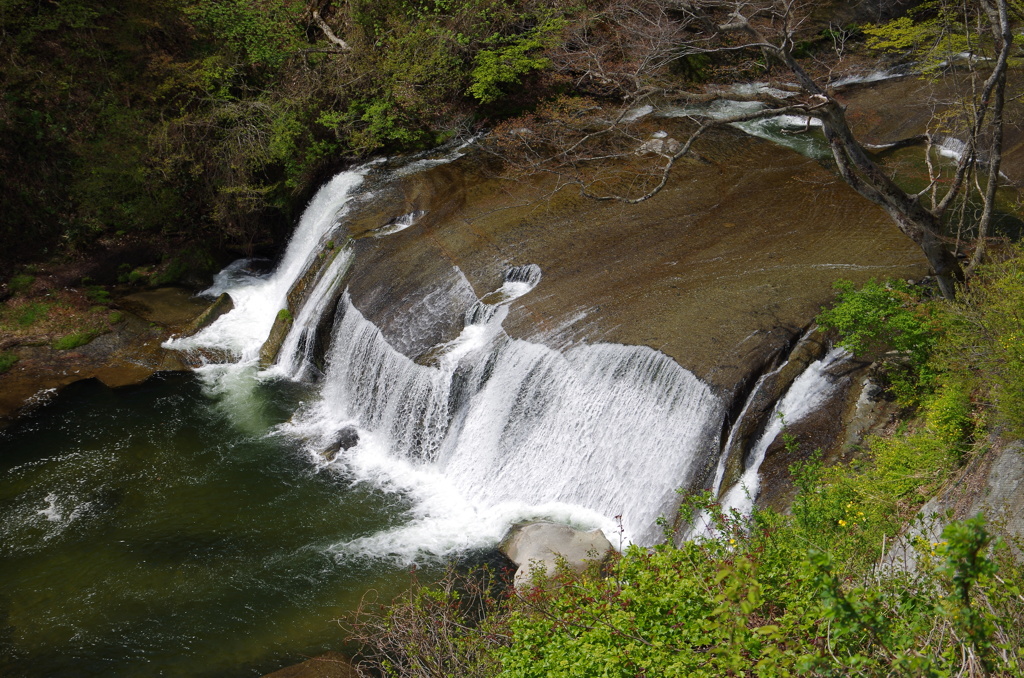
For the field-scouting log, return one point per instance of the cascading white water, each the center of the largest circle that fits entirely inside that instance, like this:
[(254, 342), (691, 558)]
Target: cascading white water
[(258, 298), (499, 430), (804, 396), (296, 353)]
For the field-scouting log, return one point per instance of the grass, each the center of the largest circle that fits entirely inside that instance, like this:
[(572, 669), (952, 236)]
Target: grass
[(97, 295), (74, 340), (20, 283), (32, 313), (7, 360)]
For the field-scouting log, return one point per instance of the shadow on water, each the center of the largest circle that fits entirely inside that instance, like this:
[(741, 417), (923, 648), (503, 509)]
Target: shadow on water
[(143, 534)]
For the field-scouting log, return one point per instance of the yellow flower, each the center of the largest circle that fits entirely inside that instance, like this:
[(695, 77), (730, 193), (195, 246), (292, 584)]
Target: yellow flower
[(842, 523)]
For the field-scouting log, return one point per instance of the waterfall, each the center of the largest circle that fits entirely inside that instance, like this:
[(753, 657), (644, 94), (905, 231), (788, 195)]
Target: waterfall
[(513, 429), (258, 298), (808, 391), (475, 433)]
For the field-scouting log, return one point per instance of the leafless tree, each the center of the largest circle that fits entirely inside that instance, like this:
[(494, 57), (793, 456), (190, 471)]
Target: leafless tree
[(625, 50)]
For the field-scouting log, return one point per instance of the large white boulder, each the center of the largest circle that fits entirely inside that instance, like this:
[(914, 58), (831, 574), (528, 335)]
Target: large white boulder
[(541, 546)]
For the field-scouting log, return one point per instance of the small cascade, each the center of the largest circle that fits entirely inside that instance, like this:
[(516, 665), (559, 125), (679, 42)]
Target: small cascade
[(258, 298), (399, 224), (297, 356), (791, 131), (806, 394)]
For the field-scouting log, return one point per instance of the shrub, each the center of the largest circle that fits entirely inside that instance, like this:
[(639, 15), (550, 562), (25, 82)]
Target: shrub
[(887, 323), (985, 338), (448, 629), (498, 68)]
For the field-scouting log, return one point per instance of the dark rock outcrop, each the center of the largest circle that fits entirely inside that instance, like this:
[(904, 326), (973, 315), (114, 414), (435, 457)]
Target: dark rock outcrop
[(344, 439), (222, 305)]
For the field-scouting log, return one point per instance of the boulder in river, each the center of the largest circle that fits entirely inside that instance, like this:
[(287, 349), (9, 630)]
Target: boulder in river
[(344, 439), (542, 546)]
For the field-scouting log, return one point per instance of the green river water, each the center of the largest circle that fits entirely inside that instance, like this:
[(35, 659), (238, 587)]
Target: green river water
[(144, 533)]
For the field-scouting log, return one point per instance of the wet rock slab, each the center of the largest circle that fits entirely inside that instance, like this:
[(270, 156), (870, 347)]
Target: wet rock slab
[(719, 271)]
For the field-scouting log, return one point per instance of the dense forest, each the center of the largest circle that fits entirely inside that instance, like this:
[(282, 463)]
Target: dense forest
[(182, 132)]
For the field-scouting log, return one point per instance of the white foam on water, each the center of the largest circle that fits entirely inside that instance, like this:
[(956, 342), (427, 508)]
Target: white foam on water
[(505, 430), (52, 512), (442, 522)]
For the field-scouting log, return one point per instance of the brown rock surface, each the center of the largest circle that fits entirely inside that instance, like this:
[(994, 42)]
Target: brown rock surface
[(719, 271), (327, 665), (128, 354)]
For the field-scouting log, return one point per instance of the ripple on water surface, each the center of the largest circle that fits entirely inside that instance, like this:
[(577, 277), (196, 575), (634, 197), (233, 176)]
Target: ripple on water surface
[(143, 534)]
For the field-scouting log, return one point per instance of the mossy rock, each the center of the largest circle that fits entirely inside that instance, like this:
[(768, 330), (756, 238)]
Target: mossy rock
[(272, 346), (222, 305)]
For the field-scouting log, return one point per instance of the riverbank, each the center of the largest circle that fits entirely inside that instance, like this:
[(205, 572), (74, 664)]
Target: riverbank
[(53, 334)]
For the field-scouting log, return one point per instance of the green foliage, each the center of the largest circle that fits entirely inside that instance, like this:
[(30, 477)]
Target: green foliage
[(908, 467), (284, 315), (97, 294), (933, 33), (32, 313), (262, 33), (759, 602), (74, 340), (115, 317), (203, 120), (919, 623), (496, 69), (985, 338), (878, 318), (7, 360), (20, 283), (886, 322)]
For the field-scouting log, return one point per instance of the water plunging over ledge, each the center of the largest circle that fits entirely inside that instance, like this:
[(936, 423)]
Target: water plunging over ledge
[(191, 526)]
